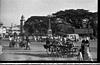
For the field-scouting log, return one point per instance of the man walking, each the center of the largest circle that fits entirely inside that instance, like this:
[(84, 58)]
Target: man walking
[(27, 43), (86, 56)]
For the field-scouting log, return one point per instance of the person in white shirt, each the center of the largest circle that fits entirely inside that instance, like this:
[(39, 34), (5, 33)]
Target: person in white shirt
[(10, 39)]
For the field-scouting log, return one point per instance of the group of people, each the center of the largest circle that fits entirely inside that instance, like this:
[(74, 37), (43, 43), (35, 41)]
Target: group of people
[(61, 40), (62, 44), (84, 53), (21, 41), (84, 50), (37, 38)]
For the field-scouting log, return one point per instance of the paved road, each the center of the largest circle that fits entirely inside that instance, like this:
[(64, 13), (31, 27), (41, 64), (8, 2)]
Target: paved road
[(37, 52)]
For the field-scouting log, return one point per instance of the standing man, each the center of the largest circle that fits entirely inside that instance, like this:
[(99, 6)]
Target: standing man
[(85, 50), (11, 39), (27, 43), (82, 50), (47, 46), (47, 41)]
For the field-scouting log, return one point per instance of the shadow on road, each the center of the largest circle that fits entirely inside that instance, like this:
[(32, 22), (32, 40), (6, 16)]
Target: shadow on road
[(42, 55), (36, 55)]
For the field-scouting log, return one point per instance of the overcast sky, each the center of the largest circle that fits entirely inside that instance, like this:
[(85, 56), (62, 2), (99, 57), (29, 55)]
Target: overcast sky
[(11, 10)]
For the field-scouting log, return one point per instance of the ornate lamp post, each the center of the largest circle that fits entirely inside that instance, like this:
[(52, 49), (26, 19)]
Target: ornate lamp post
[(49, 28), (11, 28), (21, 25)]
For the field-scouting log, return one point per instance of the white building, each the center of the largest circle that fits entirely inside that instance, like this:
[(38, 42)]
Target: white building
[(9, 30), (16, 29), (2, 31)]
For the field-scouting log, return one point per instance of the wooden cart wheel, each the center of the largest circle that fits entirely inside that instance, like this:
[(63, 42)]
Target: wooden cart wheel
[(59, 52), (50, 50)]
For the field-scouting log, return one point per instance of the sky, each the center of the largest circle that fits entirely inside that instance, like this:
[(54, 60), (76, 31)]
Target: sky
[(12, 10)]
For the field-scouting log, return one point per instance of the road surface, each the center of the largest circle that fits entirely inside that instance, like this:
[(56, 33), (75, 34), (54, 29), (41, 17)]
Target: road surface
[(37, 53)]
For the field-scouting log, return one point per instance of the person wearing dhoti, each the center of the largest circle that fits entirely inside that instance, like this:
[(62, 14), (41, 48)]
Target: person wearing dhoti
[(85, 51), (87, 54)]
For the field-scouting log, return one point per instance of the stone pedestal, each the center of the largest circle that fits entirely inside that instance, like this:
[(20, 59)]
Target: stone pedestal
[(49, 32)]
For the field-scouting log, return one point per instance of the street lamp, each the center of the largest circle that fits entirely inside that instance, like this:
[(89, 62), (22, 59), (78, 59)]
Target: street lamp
[(40, 28), (49, 28), (21, 25)]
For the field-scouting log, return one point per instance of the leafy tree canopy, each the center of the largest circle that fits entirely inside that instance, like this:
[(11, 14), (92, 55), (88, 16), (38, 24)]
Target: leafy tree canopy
[(71, 16)]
